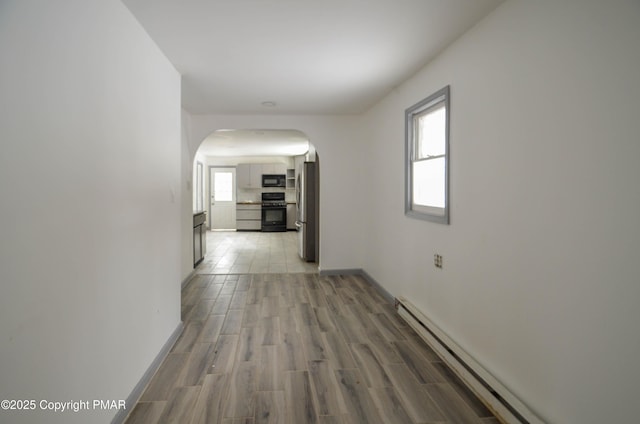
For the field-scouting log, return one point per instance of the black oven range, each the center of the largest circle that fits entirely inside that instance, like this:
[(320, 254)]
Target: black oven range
[(274, 212)]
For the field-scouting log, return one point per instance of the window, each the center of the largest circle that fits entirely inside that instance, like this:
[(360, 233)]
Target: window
[(427, 158), (223, 186)]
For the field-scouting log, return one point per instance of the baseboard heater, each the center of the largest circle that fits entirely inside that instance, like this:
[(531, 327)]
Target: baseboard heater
[(506, 406)]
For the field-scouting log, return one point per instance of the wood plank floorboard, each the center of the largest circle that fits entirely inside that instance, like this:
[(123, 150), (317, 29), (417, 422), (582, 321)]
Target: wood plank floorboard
[(360, 406), (270, 408), (197, 365), (165, 378), (290, 352), (224, 355), (180, 405), (418, 364), (451, 404), (465, 393), (327, 392), (299, 399), (371, 369), (338, 351), (389, 406), (299, 349), (188, 337), (211, 329), (248, 345), (418, 404), (146, 412), (270, 375), (210, 403), (241, 391)]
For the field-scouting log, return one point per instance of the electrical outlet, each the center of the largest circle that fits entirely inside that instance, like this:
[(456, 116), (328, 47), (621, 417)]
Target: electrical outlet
[(437, 260)]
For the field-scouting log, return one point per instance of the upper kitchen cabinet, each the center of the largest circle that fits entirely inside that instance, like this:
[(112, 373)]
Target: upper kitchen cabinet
[(274, 168), (249, 175)]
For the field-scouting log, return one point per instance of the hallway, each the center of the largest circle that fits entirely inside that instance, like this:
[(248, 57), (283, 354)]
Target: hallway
[(299, 349)]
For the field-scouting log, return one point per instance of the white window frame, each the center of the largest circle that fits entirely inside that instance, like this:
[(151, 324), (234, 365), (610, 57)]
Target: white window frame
[(412, 114)]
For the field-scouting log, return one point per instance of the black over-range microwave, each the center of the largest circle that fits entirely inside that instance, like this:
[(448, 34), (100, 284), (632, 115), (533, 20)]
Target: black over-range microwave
[(274, 180)]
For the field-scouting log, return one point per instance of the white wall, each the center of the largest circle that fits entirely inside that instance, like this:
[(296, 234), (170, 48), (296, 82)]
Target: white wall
[(341, 194), (90, 192), (188, 202), (542, 258)]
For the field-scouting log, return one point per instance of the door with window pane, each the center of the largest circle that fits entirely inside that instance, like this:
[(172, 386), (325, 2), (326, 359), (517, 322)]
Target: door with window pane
[(222, 188)]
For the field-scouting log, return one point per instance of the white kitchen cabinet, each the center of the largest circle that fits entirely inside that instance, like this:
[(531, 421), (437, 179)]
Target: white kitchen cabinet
[(274, 168), (249, 175), (248, 226), (268, 168), (248, 216), (243, 175), (256, 176)]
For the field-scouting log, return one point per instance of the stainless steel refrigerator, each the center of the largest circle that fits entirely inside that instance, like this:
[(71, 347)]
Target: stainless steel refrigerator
[(306, 211)]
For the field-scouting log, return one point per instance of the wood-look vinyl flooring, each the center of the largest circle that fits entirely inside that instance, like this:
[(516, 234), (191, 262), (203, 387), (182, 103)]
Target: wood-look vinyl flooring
[(297, 349)]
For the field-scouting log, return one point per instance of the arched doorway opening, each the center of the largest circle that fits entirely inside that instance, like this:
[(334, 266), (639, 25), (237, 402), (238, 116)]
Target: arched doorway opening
[(231, 169)]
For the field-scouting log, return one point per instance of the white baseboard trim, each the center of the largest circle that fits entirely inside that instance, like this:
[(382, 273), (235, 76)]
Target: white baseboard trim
[(133, 398)]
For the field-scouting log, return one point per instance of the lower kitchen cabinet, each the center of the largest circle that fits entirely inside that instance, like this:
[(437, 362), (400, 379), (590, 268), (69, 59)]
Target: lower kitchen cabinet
[(248, 217)]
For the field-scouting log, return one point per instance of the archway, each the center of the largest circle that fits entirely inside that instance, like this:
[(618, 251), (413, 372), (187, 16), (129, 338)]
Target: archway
[(261, 151)]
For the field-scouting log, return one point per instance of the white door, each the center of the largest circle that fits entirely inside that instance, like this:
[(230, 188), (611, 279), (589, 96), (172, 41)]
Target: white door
[(222, 186)]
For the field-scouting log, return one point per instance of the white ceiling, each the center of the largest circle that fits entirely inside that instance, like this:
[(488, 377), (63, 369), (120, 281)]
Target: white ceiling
[(310, 57)]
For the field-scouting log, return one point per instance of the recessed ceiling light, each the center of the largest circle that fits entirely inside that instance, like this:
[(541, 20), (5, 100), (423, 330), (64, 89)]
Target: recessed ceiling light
[(269, 104)]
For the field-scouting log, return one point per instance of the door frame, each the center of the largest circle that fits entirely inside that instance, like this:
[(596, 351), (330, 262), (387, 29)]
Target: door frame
[(235, 188)]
